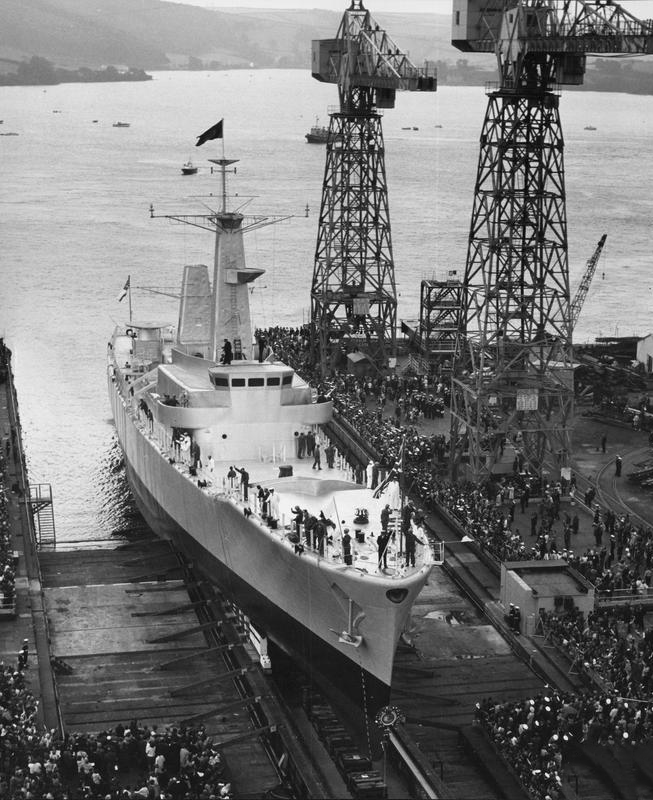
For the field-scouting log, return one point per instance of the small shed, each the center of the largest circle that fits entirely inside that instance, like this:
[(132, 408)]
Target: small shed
[(533, 586), (359, 364)]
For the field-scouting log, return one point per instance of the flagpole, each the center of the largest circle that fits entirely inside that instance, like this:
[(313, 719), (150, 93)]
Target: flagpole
[(224, 176), (129, 292)]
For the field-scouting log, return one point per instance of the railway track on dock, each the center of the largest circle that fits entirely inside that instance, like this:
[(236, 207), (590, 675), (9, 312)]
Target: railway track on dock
[(614, 497)]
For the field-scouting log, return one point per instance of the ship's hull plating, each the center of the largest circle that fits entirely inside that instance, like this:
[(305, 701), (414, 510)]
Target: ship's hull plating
[(299, 603)]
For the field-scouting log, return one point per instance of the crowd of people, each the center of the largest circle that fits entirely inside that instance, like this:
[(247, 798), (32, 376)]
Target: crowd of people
[(7, 561), (614, 649), (124, 763)]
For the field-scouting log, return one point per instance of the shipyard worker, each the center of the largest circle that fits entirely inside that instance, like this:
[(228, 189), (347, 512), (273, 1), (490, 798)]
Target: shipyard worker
[(261, 348), (346, 547), (516, 620), (310, 443), (274, 505), (244, 481), (385, 517), (227, 352), (298, 518), (410, 540), (319, 536), (316, 456), (301, 445), (617, 466), (382, 543), (329, 452)]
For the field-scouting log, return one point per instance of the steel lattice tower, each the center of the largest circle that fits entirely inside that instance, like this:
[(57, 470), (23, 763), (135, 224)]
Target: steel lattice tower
[(514, 372), (353, 293)]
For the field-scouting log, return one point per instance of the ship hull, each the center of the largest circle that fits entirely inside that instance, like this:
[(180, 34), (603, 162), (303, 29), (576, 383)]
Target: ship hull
[(335, 674), (299, 602)]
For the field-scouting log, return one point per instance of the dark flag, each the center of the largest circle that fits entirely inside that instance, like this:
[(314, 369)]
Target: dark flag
[(214, 132), (125, 289)]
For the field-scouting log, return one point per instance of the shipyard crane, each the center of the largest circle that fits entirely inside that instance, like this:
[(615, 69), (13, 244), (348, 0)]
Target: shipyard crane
[(513, 371), (353, 292), (584, 285)]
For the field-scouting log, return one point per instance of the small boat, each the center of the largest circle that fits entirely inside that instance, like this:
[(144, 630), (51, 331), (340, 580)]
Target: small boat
[(590, 128), (121, 124), (318, 133), (188, 168)]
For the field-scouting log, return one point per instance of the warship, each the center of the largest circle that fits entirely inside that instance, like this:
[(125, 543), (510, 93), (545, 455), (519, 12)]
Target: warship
[(213, 430)]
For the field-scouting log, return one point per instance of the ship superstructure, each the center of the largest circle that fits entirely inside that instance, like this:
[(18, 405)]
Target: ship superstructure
[(213, 454)]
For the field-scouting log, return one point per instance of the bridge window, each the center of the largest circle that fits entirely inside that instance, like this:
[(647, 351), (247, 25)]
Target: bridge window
[(287, 380), (238, 381), (217, 380), (256, 382)]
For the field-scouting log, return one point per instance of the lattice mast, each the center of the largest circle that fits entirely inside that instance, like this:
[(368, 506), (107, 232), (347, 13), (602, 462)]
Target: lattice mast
[(515, 371), (353, 293)]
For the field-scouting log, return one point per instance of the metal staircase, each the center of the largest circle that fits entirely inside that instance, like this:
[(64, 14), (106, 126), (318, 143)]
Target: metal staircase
[(40, 504)]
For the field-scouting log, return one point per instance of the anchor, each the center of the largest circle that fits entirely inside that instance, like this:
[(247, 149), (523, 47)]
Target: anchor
[(351, 635)]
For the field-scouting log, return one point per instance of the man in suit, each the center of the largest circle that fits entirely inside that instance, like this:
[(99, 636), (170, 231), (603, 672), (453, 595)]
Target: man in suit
[(346, 547)]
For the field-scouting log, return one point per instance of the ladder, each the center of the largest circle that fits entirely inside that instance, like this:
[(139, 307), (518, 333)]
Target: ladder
[(40, 504)]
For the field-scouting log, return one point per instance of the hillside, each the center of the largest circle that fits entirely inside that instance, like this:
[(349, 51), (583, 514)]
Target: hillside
[(153, 34), (156, 34)]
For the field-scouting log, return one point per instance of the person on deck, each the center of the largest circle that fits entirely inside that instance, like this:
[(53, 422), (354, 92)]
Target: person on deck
[(346, 547), (227, 353), (385, 517), (382, 543), (244, 481)]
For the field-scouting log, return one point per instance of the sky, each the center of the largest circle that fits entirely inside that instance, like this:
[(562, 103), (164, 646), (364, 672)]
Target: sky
[(640, 8)]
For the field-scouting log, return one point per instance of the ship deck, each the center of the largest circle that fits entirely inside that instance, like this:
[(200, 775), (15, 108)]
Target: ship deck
[(332, 491)]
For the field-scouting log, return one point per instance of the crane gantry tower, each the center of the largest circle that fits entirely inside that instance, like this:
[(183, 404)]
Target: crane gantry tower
[(514, 367), (353, 292)]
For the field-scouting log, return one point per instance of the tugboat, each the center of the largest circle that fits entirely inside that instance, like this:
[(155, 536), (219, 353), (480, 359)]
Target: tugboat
[(189, 168), (318, 133), (216, 433), (121, 124)]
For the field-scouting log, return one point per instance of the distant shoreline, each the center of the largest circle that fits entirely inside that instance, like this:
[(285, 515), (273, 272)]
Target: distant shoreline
[(40, 72)]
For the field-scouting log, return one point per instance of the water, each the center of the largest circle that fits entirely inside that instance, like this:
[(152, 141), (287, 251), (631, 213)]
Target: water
[(75, 222)]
